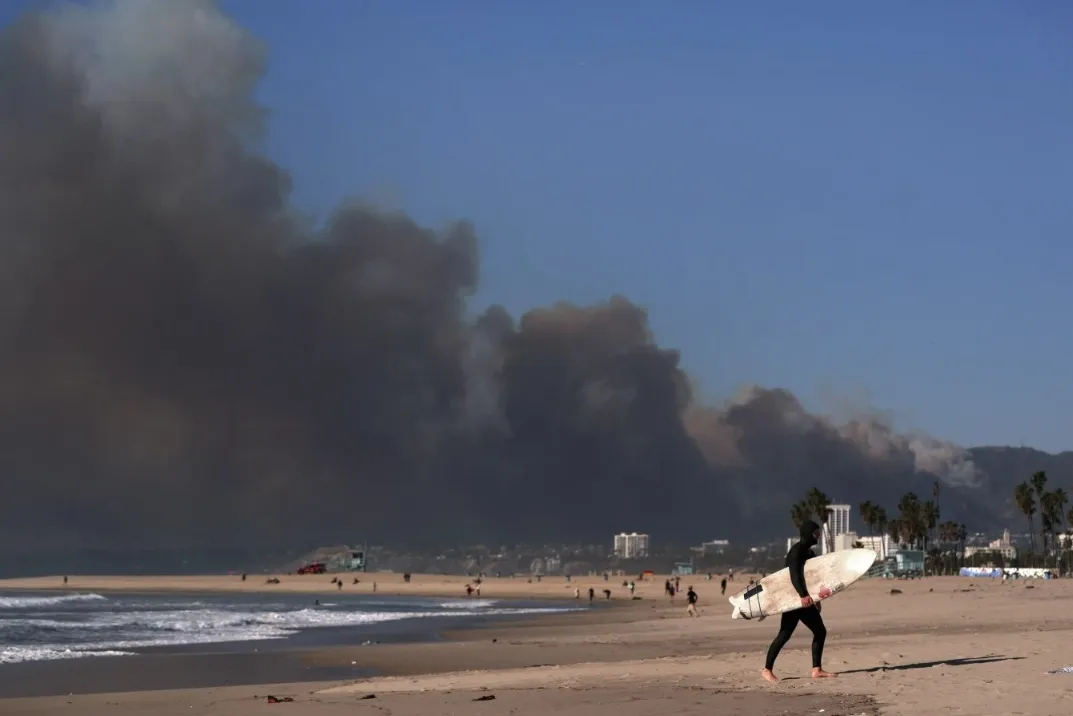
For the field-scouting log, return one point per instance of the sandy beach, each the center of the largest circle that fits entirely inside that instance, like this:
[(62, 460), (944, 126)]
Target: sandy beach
[(940, 646), (384, 583)]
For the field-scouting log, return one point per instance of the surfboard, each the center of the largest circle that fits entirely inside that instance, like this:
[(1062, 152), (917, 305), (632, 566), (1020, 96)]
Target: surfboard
[(825, 576)]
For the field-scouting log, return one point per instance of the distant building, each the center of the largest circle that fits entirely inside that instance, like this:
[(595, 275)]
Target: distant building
[(837, 524), (631, 546), (880, 544), (1003, 546), (844, 541), (715, 546)]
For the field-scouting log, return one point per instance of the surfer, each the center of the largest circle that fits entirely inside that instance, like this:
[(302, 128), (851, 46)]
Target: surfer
[(808, 614)]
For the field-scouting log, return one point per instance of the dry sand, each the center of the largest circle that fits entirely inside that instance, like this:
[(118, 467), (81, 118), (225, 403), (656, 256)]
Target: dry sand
[(941, 646), (386, 583)]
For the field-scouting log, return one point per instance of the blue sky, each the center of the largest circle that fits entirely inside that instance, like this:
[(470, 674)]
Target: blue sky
[(837, 198)]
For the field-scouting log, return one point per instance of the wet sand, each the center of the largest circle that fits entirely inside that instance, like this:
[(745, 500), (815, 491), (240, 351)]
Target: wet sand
[(941, 646)]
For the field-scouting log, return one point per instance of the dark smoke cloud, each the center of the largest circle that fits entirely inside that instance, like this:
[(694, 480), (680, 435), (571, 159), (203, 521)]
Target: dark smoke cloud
[(184, 361)]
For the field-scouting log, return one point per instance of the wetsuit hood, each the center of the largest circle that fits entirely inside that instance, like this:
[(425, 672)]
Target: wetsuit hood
[(807, 528)]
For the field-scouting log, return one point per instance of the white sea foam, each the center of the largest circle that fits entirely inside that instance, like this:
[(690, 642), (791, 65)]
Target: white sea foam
[(17, 654), (468, 604), (114, 633), (37, 602)]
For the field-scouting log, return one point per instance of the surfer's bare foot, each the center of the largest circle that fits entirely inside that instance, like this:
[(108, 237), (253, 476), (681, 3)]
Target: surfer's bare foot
[(821, 674), (769, 675)]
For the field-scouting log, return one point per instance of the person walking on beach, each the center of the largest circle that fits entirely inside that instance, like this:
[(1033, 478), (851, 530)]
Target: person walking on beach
[(723, 586), (691, 602), (809, 613), (592, 594)]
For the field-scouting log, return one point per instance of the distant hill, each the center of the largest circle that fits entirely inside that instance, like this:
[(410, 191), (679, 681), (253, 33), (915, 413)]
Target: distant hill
[(1005, 468), (1008, 466)]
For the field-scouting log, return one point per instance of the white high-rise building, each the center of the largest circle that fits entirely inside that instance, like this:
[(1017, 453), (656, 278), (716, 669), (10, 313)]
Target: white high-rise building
[(631, 546), (837, 524)]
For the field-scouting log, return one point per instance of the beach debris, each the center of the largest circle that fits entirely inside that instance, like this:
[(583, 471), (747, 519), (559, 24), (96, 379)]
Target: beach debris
[(895, 591), (1063, 670), (486, 697), (278, 699), (368, 696)]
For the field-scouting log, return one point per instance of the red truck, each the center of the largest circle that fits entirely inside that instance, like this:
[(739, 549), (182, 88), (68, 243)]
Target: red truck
[(313, 568)]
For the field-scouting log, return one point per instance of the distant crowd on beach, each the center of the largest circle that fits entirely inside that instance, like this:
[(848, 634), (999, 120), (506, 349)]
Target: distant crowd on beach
[(671, 587)]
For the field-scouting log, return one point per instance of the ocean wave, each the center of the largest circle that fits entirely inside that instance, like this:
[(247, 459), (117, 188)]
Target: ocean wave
[(468, 604), (200, 620), (35, 602), (18, 654), (115, 633)]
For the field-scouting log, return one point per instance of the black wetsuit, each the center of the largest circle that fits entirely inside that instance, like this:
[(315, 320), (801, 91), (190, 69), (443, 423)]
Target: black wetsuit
[(809, 616)]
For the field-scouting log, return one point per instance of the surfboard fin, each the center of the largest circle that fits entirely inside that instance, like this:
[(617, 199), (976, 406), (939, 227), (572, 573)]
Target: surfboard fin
[(739, 614)]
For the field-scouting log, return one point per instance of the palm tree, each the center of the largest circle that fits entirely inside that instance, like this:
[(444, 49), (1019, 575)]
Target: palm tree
[(1069, 533), (819, 504), (929, 515), (1046, 522), (948, 533), (1039, 483), (1052, 506), (881, 518), (895, 529), (880, 524), (1025, 498), (936, 490), (867, 511), (911, 517), (962, 534), (800, 513)]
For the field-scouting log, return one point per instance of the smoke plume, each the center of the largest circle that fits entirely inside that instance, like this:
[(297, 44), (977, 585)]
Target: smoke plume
[(183, 361)]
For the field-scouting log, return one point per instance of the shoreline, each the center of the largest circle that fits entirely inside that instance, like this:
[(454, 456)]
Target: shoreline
[(436, 650), (315, 654), (937, 645)]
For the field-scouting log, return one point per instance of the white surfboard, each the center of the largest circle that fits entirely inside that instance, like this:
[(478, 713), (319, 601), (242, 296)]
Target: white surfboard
[(825, 576)]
